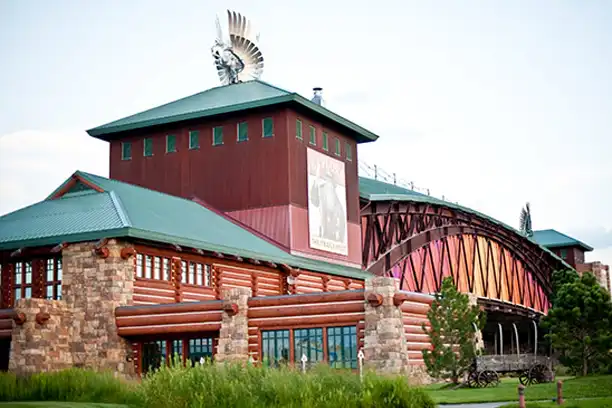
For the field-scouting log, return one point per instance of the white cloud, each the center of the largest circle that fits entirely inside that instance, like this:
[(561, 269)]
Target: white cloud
[(33, 163)]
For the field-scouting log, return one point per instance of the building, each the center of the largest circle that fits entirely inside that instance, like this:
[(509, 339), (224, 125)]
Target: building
[(572, 251), (234, 225)]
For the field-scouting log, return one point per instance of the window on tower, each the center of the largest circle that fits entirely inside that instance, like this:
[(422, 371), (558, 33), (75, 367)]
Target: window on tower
[(349, 152), (313, 135), (194, 140), (148, 147), (217, 135), (298, 129), (170, 143), (325, 141), (267, 127), (126, 151), (243, 131)]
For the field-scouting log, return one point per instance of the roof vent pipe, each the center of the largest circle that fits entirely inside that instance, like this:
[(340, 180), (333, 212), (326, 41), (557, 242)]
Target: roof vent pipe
[(318, 96)]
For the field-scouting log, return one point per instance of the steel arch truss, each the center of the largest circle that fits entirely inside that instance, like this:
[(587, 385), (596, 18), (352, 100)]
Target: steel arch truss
[(421, 243)]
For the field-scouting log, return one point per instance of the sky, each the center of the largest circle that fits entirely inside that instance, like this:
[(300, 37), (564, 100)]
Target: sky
[(489, 104)]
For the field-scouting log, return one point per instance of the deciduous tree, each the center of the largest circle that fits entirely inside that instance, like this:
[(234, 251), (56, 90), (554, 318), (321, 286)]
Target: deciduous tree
[(453, 324), (580, 322)]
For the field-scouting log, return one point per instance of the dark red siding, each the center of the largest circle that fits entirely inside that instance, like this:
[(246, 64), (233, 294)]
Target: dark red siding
[(298, 180), (233, 176)]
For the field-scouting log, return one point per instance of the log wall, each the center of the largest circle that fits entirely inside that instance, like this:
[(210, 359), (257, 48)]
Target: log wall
[(163, 276), (414, 311), (341, 308)]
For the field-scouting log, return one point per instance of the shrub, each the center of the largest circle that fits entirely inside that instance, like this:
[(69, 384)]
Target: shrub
[(75, 385), (222, 385)]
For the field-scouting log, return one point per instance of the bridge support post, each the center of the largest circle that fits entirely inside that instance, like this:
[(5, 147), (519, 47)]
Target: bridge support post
[(385, 347)]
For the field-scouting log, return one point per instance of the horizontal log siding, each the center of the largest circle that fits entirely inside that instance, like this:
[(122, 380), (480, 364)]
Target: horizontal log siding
[(414, 312), (6, 323), (330, 309), (189, 317)]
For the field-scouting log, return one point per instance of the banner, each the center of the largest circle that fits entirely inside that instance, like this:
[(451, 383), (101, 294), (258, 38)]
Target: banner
[(327, 221)]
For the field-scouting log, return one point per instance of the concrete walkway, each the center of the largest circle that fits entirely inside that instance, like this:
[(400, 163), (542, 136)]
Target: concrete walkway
[(476, 405)]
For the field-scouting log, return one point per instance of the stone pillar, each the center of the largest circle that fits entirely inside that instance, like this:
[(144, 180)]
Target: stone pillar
[(385, 348), (41, 336), (234, 334), (478, 340), (93, 286)]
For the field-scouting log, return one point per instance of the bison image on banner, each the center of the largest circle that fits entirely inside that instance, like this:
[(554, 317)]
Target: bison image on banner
[(327, 203)]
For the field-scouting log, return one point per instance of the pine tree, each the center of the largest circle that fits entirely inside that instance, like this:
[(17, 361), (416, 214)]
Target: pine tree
[(453, 324), (580, 322)]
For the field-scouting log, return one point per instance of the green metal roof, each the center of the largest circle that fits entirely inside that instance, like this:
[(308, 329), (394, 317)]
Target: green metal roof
[(222, 100), (374, 190), (551, 238), (125, 210)]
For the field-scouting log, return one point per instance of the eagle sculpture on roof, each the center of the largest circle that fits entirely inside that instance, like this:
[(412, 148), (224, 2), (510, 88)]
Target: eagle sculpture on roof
[(237, 56)]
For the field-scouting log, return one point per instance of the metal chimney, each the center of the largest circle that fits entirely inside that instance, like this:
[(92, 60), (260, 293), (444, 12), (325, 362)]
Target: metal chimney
[(318, 96)]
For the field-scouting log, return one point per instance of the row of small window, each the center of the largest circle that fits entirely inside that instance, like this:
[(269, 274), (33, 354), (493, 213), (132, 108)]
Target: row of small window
[(22, 279), (325, 140), (341, 346), (155, 353), (267, 130), (160, 268)]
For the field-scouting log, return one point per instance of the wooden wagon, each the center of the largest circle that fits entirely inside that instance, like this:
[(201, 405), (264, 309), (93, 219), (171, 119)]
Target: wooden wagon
[(485, 370)]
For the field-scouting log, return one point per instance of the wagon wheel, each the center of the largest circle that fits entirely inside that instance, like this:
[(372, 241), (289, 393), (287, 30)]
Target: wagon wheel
[(472, 379), (488, 378), (524, 377), (537, 373)]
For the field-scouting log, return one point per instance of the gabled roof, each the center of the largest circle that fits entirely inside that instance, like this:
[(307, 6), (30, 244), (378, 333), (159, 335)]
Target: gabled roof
[(91, 207), (222, 100), (551, 238)]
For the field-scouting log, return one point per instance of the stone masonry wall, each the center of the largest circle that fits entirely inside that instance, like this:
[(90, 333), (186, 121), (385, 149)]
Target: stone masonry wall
[(385, 348), (41, 347), (81, 329), (234, 333), (93, 287)]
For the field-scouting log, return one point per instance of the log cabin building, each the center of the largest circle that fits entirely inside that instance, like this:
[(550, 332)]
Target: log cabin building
[(234, 226)]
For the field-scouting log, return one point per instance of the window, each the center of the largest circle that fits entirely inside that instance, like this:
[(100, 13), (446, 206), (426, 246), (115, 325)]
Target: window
[(342, 346), (23, 280), (337, 147), (298, 129), (267, 127), (563, 253), (349, 152), (126, 151), (153, 355), (243, 131), (308, 342), (195, 273), (170, 143), (148, 147), (177, 348), (217, 135), (153, 267), (53, 283), (199, 348), (274, 347), (325, 141), (313, 135), (194, 140)]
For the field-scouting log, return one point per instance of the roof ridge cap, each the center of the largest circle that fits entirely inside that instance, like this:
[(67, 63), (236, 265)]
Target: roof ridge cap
[(119, 207)]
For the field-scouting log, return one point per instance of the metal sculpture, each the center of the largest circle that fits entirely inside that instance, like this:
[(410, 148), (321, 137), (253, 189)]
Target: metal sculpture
[(237, 56)]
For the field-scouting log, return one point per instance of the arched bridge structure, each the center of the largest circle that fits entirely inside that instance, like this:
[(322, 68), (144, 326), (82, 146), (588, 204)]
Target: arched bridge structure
[(419, 240)]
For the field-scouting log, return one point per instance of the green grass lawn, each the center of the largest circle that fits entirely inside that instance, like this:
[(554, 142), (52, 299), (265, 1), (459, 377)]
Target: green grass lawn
[(46, 404), (590, 403), (587, 387)]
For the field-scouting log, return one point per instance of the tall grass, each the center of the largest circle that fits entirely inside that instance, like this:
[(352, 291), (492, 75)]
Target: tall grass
[(220, 385), (75, 385)]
